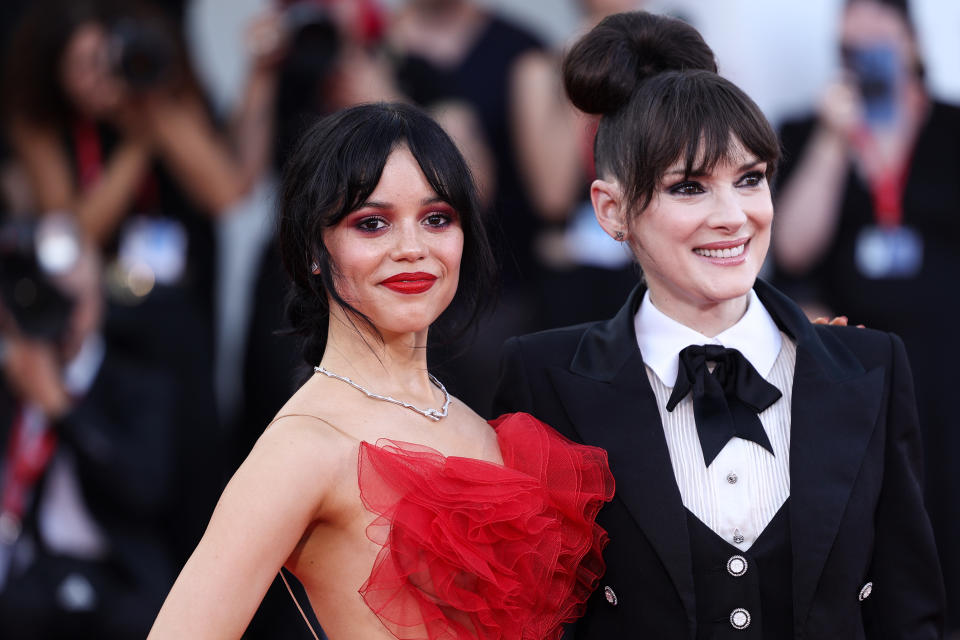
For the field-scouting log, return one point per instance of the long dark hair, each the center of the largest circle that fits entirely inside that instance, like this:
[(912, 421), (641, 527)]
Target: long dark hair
[(654, 81), (334, 168)]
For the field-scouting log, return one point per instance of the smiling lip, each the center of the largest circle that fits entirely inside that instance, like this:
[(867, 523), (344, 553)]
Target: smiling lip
[(725, 253), (410, 283)]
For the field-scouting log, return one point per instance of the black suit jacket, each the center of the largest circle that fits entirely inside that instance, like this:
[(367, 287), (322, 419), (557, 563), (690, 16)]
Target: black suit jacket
[(856, 511)]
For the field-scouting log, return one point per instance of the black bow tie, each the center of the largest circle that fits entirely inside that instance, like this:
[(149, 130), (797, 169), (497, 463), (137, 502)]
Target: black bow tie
[(726, 401)]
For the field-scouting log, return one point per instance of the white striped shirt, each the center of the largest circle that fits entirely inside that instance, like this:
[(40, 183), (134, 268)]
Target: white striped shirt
[(744, 486)]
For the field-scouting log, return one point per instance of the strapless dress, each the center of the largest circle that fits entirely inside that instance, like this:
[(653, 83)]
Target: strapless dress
[(474, 550)]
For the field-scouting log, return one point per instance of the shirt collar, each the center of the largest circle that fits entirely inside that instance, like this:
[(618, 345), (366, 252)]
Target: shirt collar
[(661, 338)]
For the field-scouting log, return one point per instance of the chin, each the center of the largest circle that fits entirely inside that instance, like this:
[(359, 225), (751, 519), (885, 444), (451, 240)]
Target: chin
[(409, 322), (731, 289)]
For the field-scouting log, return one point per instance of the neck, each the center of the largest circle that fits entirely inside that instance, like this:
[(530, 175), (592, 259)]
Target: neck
[(390, 363), (709, 319)]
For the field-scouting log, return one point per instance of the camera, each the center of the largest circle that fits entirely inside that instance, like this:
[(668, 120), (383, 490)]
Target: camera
[(32, 253), (314, 41), (876, 69), (142, 53)]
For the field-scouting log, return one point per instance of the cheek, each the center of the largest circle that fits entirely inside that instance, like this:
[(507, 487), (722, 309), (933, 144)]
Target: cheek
[(450, 252), (763, 216), (352, 263), (657, 237)]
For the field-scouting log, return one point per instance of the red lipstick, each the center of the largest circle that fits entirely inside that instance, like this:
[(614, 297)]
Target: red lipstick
[(410, 283)]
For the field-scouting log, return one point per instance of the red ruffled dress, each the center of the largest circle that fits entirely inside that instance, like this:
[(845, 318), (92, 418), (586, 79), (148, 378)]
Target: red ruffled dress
[(475, 550)]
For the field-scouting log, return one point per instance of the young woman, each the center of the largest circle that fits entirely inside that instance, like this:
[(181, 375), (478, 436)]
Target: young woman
[(767, 469), (402, 512)]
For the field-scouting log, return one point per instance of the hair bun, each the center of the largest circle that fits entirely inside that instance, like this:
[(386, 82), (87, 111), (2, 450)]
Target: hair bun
[(605, 66)]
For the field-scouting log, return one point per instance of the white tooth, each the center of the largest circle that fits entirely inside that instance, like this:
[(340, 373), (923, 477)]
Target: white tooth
[(726, 253)]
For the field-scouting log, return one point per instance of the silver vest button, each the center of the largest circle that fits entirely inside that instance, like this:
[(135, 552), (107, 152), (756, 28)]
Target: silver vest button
[(740, 619), (865, 591), (610, 595), (737, 566)]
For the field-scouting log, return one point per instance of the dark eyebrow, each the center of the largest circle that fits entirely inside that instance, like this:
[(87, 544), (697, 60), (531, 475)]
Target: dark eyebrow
[(750, 165), (376, 204), (679, 171)]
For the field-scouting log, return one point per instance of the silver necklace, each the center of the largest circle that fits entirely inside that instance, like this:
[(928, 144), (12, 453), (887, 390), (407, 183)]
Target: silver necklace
[(433, 414)]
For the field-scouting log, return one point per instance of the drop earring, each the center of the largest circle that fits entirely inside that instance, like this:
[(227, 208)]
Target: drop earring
[(315, 268), (618, 236)]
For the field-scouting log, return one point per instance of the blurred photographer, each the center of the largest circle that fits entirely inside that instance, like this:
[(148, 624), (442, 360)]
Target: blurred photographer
[(113, 78), (106, 118), (86, 473), (868, 210)]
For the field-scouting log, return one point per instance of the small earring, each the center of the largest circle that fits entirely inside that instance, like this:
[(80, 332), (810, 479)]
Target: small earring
[(315, 268), (618, 236)]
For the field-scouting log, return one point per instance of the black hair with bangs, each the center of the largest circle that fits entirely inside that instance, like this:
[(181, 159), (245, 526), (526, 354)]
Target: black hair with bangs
[(653, 80), (333, 170)]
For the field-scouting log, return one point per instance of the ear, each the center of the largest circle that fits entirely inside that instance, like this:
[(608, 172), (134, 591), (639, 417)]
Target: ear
[(609, 207)]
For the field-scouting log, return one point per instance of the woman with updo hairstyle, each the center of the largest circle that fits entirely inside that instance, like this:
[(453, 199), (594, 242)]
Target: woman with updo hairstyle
[(768, 469), (402, 513)]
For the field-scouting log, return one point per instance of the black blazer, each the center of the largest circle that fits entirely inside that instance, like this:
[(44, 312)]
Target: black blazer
[(856, 511)]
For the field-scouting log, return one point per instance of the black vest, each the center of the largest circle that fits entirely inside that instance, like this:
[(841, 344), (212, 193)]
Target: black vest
[(743, 594)]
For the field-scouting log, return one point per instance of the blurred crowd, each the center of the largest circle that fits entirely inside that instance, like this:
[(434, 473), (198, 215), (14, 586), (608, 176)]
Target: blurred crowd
[(118, 176)]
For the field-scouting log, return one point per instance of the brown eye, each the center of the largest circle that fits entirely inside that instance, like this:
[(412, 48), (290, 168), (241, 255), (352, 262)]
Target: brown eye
[(371, 224), (437, 219), (753, 179), (686, 188)]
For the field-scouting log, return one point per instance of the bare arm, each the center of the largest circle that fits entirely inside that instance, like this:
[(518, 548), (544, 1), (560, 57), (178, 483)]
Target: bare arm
[(547, 132), (275, 495), (195, 153), (808, 209), (251, 126), (101, 207), (461, 123)]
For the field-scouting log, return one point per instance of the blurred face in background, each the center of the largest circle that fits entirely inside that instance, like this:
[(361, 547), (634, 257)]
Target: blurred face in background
[(85, 72), (868, 25)]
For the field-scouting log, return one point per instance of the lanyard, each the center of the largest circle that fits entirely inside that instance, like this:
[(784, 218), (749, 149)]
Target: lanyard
[(886, 187), (32, 443), (887, 190)]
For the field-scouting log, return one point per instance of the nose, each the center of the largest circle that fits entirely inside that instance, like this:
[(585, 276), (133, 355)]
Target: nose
[(728, 211), (410, 243)]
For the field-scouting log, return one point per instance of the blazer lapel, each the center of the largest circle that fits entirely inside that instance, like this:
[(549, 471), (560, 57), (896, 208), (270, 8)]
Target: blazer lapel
[(835, 408), (608, 398)]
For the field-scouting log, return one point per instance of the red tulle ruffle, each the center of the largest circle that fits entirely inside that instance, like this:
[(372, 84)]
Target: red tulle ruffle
[(475, 550)]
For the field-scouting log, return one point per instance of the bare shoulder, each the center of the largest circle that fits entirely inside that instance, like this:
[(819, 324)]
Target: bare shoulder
[(302, 452), (308, 441)]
